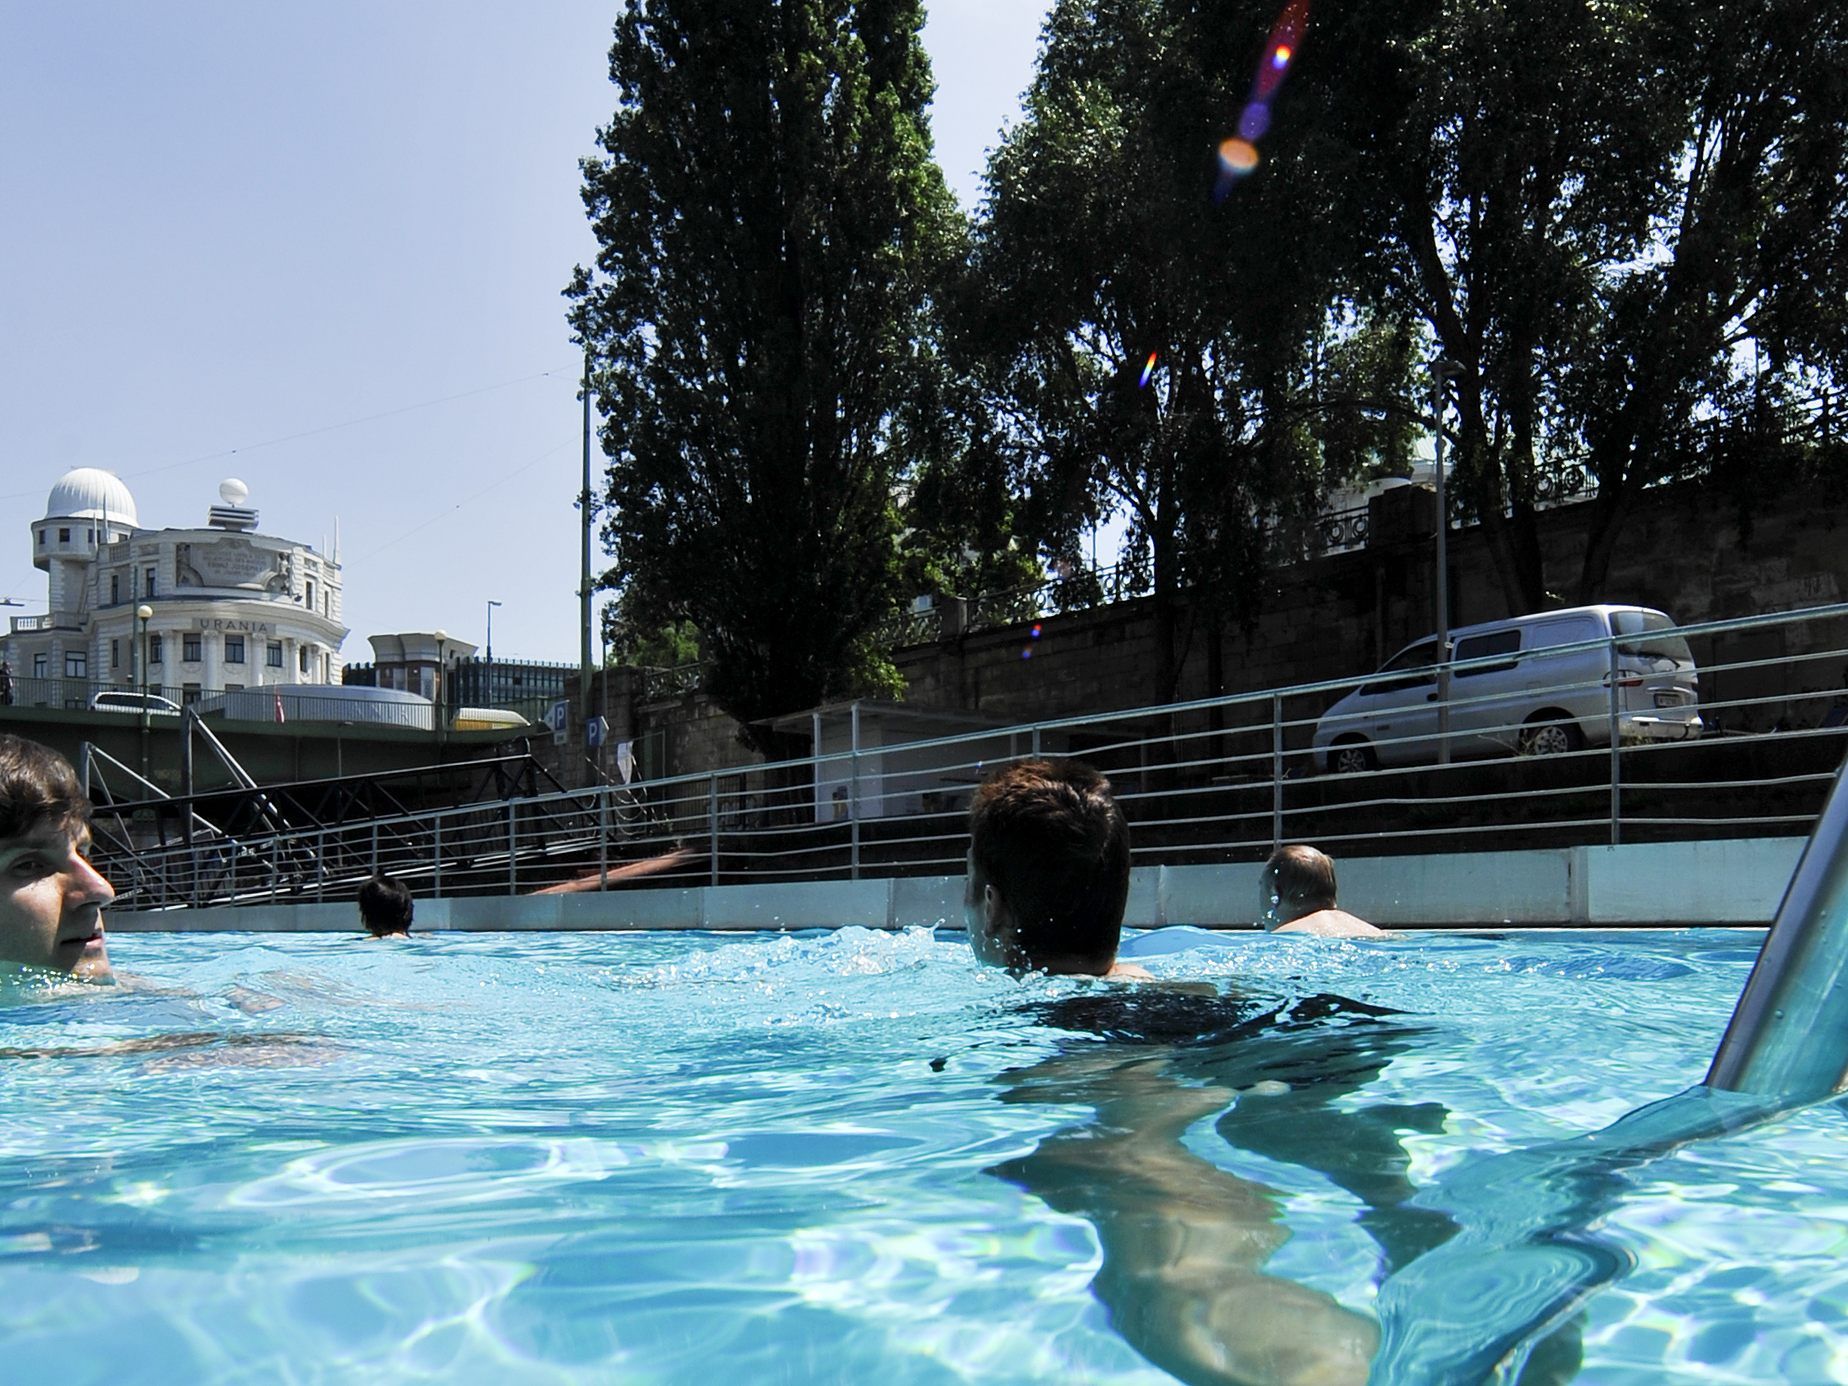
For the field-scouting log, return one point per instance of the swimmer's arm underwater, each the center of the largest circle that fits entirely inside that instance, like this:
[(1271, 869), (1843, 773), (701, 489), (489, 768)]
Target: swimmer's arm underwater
[(1183, 1241)]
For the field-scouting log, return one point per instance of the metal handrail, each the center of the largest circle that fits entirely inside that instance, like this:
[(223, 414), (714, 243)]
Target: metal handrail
[(1209, 779)]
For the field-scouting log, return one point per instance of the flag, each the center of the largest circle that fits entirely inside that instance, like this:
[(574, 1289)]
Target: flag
[(280, 719)]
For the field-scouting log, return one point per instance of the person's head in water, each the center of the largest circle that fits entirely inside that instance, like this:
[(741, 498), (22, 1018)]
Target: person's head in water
[(51, 898), (1297, 880), (1048, 869), (385, 906)]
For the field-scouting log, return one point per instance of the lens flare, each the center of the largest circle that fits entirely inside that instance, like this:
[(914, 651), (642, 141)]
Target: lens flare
[(1034, 633), (1148, 369), (1238, 156)]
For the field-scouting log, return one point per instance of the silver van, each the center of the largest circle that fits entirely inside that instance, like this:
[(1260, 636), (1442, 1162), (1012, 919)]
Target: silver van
[(1537, 685)]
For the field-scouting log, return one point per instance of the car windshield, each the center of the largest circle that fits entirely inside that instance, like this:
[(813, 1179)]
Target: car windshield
[(1645, 634)]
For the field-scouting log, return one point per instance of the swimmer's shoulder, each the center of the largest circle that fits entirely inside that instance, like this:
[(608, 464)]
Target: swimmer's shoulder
[(1332, 924)]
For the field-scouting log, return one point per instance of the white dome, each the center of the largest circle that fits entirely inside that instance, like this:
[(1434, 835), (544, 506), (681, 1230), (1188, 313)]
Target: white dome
[(91, 493)]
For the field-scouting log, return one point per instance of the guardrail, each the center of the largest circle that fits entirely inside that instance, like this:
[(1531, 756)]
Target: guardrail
[(1216, 780)]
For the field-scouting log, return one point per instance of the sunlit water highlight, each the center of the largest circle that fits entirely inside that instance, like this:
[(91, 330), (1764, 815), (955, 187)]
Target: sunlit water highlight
[(655, 1158)]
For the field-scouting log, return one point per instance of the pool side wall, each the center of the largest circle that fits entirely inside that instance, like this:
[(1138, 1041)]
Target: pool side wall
[(1675, 883)]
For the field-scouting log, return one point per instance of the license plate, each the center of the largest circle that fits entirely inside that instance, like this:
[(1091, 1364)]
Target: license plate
[(1667, 698)]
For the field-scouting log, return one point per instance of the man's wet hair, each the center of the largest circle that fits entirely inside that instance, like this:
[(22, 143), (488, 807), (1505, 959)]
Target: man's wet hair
[(1302, 878), (37, 785), (1051, 839), (385, 904)]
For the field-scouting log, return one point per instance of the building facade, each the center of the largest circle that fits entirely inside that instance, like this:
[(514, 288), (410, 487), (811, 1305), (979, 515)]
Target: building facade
[(182, 612)]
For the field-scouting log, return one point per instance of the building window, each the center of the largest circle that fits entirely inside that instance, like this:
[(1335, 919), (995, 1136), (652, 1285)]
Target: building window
[(189, 649), (234, 649), (115, 654), (76, 664), (153, 649), (64, 538), (115, 588), (234, 688), (147, 589), (39, 665), (301, 658), (273, 656), (310, 602), (43, 534)]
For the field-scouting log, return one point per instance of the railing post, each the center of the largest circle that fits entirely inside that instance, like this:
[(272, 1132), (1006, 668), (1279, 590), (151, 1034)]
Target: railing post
[(320, 867), (603, 836), (853, 794), (436, 855), (712, 824), (375, 849), (1616, 753), (513, 846), (1276, 771)]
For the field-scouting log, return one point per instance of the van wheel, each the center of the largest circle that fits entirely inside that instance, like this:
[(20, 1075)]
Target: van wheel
[(1551, 739), (1351, 756)]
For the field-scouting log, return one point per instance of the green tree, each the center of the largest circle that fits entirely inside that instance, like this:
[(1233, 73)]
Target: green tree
[(1593, 207), (1104, 246), (770, 225)]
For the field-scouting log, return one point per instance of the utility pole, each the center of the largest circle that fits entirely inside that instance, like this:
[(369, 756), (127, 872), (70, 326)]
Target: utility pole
[(584, 584)]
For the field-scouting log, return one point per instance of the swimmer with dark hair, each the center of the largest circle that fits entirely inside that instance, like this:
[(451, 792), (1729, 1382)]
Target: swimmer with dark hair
[(51, 898), (385, 907), (1048, 871)]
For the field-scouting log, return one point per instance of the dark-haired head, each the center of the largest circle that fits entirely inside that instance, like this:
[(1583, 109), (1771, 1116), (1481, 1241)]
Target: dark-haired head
[(1048, 868), (385, 905), (38, 786)]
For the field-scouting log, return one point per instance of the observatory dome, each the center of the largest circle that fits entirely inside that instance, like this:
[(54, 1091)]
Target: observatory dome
[(91, 493)]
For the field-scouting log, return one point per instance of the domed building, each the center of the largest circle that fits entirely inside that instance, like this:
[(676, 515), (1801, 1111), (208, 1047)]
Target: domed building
[(226, 607)]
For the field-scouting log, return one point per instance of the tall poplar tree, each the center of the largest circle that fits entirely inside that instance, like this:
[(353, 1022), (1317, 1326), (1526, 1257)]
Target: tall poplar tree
[(770, 224)]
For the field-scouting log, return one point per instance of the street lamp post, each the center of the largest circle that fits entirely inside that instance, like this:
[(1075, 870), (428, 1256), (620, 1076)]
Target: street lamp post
[(442, 683), (1442, 373), (143, 613), (487, 694)]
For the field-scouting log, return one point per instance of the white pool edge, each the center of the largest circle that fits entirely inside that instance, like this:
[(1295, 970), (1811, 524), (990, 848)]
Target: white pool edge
[(1730, 882)]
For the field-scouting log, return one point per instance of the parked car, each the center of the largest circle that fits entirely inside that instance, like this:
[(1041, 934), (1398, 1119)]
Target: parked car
[(114, 700), (1537, 685)]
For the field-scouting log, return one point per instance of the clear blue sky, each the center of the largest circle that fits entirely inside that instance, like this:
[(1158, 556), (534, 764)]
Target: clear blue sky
[(320, 248)]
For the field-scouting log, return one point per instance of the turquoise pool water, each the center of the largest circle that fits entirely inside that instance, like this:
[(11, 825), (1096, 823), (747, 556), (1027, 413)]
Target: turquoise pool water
[(855, 1156)]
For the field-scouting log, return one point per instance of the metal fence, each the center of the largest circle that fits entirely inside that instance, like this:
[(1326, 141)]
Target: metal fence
[(1217, 780)]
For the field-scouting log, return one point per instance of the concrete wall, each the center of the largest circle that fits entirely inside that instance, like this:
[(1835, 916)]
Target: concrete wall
[(1739, 882), (1686, 552)]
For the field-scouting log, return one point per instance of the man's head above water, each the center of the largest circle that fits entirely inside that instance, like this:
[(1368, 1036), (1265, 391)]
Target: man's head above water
[(1048, 869), (51, 898)]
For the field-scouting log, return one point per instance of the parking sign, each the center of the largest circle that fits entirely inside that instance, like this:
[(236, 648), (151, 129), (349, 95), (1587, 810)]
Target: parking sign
[(558, 718)]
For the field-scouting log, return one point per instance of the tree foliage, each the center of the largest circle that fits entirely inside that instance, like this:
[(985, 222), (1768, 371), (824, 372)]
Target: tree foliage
[(1592, 208), (1104, 247), (770, 226)]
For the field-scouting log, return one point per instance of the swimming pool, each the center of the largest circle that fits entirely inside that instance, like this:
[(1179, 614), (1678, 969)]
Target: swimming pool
[(855, 1155)]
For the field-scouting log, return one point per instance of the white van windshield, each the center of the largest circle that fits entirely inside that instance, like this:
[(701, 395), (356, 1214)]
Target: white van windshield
[(1644, 634)]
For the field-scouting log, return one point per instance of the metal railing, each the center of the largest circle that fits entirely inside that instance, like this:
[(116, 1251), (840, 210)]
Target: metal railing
[(1217, 780)]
